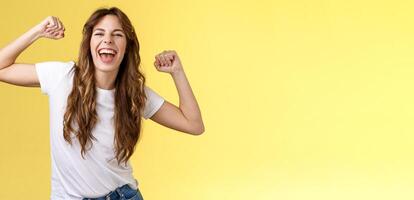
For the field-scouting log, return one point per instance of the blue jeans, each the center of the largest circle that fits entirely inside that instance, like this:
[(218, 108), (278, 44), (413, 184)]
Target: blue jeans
[(121, 193)]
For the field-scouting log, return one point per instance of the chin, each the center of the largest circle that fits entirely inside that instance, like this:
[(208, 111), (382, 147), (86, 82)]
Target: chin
[(106, 68)]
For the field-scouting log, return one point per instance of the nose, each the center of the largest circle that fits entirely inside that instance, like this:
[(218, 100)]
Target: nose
[(107, 40)]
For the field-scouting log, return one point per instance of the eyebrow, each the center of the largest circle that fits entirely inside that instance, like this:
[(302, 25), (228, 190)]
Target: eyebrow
[(101, 29)]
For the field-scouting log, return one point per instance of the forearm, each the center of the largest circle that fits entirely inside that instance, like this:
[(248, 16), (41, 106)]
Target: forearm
[(188, 103), (9, 53)]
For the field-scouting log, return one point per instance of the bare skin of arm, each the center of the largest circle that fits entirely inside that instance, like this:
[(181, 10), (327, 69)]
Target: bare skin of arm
[(187, 116), (22, 74)]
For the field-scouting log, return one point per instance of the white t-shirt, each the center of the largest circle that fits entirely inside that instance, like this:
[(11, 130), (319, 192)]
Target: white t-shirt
[(99, 173)]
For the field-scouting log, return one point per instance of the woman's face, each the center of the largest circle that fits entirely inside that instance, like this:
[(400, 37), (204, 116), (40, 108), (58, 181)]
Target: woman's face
[(108, 43)]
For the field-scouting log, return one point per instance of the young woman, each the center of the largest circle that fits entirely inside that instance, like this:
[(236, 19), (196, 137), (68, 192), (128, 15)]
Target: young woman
[(97, 103)]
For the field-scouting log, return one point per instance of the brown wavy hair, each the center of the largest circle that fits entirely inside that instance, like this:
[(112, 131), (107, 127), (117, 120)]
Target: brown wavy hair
[(129, 92)]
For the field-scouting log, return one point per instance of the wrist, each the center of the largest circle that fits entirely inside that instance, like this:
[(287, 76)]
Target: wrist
[(178, 73), (35, 33)]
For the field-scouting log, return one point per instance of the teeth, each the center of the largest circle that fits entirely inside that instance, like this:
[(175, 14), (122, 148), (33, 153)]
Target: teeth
[(107, 51)]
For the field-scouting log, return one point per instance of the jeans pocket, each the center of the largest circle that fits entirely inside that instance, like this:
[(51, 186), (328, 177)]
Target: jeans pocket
[(135, 195)]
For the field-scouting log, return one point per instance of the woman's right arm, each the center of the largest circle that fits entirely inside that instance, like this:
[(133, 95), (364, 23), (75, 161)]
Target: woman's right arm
[(25, 74)]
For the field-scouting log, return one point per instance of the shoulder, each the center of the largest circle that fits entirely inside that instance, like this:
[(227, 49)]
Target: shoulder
[(50, 73), (153, 103), (55, 65)]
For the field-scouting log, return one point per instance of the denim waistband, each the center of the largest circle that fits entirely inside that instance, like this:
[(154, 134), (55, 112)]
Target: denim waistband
[(118, 193)]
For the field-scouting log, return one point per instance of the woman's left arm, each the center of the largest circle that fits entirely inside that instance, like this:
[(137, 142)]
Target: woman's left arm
[(187, 117)]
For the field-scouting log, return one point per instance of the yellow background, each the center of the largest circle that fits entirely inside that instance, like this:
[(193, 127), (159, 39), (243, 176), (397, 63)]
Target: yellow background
[(300, 99)]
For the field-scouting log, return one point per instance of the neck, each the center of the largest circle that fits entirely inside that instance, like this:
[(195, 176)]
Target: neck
[(105, 80)]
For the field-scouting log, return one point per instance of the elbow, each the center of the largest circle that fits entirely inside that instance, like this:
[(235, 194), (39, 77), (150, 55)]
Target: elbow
[(198, 130)]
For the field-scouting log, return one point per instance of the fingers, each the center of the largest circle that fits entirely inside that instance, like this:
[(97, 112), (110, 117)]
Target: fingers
[(164, 61), (59, 31), (59, 25), (168, 58), (157, 65), (157, 62), (165, 58), (54, 27), (51, 23)]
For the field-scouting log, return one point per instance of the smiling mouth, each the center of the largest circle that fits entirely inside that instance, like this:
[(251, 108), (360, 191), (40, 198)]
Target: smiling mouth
[(107, 55)]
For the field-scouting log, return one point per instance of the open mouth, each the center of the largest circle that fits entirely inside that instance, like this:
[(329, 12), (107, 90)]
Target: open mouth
[(107, 55)]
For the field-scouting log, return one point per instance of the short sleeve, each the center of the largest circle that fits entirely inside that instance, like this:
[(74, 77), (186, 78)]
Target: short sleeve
[(51, 73), (153, 103)]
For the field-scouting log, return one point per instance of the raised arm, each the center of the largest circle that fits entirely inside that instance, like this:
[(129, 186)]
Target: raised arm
[(187, 117), (25, 74)]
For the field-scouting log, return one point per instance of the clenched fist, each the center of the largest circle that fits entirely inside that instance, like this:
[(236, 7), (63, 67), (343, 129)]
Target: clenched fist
[(51, 27), (168, 61)]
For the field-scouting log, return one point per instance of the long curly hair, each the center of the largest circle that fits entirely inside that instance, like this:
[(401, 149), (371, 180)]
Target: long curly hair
[(129, 92)]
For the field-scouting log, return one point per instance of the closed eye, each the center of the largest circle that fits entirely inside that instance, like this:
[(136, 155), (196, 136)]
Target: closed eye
[(100, 34)]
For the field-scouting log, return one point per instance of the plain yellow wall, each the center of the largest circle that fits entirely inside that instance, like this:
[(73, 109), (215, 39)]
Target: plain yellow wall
[(301, 99)]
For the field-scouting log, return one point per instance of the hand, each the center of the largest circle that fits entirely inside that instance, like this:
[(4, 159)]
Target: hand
[(169, 62), (51, 27)]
